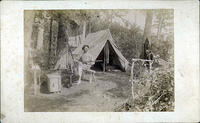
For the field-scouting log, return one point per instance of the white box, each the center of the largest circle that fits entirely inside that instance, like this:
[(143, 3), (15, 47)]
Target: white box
[(54, 83)]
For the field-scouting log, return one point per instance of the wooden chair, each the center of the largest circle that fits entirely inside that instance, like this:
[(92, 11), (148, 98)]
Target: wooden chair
[(78, 69), (92, 75)]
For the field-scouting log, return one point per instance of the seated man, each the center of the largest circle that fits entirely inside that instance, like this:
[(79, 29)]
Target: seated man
[(86, 61)]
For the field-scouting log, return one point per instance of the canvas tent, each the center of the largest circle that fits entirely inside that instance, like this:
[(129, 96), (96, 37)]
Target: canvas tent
[(65, 60), (103, 49)]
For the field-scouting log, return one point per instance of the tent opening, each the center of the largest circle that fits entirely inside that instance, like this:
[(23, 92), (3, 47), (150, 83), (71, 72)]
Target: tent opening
[(107, 60)]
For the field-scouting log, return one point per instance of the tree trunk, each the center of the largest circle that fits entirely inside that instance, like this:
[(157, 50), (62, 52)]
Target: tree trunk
[(84, 31), (53, 42), (28, 28), (159, 28), (90, 27), (50, 33), (147, 31), (148, 24)]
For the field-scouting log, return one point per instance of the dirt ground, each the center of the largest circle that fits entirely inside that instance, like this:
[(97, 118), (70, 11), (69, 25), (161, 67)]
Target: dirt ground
[(109, 91)]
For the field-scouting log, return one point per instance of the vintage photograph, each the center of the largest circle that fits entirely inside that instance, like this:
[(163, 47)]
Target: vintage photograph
[(99, 60)]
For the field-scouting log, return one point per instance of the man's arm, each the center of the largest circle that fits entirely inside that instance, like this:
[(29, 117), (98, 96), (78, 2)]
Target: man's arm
[(92, 62)]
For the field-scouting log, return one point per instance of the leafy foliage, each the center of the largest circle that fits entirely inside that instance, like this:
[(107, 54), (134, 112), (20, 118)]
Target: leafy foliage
[(154, 92), (41, 57), (127, 35), (164, 49)]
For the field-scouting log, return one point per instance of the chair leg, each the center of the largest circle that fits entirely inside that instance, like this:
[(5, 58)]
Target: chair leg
[(91, 76), (94, 77)]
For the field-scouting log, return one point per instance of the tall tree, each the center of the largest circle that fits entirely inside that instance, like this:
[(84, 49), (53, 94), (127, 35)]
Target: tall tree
[(163, 21), (148, 25), (28, 30), (147, 31), (163, 40)]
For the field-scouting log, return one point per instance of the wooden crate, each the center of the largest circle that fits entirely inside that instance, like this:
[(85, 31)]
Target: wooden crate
[(54, 83)]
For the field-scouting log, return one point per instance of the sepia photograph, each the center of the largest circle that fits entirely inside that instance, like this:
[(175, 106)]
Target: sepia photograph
[(100, 61), (111, 60)]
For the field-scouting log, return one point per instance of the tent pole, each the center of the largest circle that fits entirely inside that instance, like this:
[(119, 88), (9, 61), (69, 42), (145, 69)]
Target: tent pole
[(104, 60), (106, 56)]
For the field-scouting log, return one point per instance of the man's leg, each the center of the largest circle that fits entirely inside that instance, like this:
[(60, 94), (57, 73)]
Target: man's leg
[(80, 71)]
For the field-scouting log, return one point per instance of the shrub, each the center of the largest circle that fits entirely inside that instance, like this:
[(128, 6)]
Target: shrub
[(153, 92)]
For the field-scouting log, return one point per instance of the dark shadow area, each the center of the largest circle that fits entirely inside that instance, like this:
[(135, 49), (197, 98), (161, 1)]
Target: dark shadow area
[(44, 88), (113, 60)]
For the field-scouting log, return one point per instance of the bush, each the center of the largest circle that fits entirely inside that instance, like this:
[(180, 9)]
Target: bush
[(163, 48), (154, 92)]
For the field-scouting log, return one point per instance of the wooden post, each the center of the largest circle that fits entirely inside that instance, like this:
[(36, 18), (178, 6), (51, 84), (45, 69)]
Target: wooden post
[(104, 62), (150, 66), (132, 89), (106, 55), (104, 58), (132, 66), (132, 76), (36, 79), (84, 32), (131, 79)]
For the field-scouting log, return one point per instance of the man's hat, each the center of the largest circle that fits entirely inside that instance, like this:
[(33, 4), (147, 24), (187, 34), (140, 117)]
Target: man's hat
[(85, 46)]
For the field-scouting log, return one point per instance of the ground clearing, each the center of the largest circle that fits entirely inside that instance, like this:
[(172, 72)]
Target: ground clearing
[(109, 91)]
